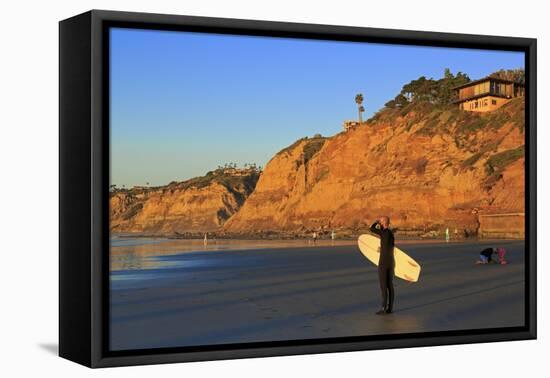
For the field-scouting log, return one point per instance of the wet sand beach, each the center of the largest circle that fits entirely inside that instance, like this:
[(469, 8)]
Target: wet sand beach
[(167, 293)]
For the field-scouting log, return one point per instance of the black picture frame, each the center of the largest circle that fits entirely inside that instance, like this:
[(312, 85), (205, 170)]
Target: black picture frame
[(84, 178)]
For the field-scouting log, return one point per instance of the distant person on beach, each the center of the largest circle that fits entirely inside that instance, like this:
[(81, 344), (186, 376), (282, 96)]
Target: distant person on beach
[(386, 263), (314, 237), (333, 235), (501, 252), (447, 237), (485, 256), (205, 239)]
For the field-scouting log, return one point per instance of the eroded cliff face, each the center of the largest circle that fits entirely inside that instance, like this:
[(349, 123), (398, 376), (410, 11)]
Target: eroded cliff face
[(426, 168), (422, 167), (197, 205)]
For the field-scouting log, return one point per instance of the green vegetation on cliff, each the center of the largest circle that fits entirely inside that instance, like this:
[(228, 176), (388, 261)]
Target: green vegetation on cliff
[(436, 92), (310, 148), (230, 179), (496, 163)]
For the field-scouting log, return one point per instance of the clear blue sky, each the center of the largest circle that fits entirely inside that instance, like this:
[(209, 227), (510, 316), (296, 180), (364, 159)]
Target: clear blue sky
[(184, 103)]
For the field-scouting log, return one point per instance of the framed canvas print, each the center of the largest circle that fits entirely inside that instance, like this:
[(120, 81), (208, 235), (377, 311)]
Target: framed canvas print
[(234, 188)]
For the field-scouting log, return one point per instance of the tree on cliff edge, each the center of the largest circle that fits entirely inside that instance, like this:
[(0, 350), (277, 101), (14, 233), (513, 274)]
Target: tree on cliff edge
[(360, 108), (436, 92), (517, 75)]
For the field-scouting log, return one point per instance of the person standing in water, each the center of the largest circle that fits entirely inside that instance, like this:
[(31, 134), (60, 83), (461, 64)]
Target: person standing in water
[(447, 237), (386, 263)]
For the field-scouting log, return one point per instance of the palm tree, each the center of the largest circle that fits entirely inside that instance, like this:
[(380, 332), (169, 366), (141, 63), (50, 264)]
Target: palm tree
[(360, 108)]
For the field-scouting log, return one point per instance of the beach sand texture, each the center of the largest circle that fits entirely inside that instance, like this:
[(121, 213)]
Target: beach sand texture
[(301, 291)]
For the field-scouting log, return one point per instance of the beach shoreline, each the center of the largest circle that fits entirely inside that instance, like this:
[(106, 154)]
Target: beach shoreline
[(324, 291), (291, 237)]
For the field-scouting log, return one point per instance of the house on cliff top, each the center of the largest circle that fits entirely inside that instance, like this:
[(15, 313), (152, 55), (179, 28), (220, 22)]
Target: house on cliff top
[(487, 94), (348, 125)]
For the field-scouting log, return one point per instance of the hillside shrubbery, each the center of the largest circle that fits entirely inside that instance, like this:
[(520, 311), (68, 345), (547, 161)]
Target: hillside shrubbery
[(311, 147), (435, 92)]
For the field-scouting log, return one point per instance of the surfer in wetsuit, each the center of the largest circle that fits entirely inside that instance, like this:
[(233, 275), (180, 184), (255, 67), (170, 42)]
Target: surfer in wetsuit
[(386, 263)]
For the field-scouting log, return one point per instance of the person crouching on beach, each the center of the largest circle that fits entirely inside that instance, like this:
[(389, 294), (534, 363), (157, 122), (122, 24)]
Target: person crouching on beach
[(485, 256), (386, 263)]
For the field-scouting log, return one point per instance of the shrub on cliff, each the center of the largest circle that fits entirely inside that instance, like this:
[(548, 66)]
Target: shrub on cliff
[(312, 147), (517, 75), (498, 162)]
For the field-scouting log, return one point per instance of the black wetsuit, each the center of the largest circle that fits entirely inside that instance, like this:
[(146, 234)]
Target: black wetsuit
[(386, 264), (487, 252)]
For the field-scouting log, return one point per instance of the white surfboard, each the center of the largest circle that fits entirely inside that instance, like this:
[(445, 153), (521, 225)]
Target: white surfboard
[(405, 266)]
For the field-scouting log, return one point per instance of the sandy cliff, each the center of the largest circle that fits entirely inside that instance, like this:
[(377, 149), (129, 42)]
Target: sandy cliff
[(424, 167), (197, 205)]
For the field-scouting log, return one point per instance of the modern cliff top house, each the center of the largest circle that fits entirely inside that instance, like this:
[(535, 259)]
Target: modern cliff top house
[(487, 94)]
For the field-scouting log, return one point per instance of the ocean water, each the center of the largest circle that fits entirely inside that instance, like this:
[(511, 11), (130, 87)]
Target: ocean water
[(146, 259)]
